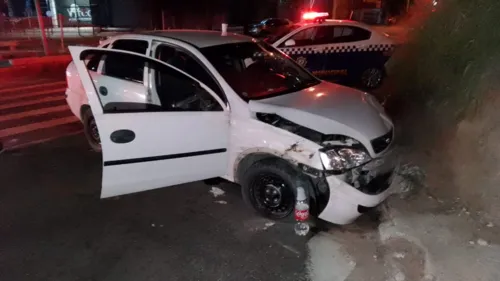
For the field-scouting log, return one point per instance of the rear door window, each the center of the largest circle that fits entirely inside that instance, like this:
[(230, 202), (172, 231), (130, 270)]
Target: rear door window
[(136, 46), (346, 34), (131, 70)]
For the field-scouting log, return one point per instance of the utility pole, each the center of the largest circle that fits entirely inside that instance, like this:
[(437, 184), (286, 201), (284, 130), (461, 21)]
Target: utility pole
[(9, 6), (41, 25)]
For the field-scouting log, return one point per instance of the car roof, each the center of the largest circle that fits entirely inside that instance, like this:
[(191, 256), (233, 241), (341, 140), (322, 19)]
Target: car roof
[(200, 38)]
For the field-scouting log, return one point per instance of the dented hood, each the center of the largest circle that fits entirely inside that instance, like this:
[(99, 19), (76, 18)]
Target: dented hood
[(330, 109)]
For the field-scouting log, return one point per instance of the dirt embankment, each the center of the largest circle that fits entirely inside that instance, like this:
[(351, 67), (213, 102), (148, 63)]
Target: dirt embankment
[(448, 103), (474, 155)]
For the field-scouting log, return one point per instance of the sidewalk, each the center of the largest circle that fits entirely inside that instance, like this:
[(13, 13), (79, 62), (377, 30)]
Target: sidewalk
[(83, 32), (422, 239), (54, 32)]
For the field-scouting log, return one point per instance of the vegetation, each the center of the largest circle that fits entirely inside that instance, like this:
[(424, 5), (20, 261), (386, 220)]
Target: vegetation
[(449, 63)]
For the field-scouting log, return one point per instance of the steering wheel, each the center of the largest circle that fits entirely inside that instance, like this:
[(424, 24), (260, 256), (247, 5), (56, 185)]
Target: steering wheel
[(204, 104), (186, 103)]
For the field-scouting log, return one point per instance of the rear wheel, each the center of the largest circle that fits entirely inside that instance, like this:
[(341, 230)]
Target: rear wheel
[(269, 187), (91, 131), (372, 77)]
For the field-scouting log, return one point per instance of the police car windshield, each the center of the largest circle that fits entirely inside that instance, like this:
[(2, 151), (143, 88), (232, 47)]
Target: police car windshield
[(278, 34), (255, 70)]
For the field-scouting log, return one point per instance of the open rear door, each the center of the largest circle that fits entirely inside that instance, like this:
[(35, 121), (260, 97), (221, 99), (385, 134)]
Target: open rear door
[(177, 133)]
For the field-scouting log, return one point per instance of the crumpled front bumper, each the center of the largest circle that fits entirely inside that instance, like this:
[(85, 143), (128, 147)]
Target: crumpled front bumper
[(347, 202)]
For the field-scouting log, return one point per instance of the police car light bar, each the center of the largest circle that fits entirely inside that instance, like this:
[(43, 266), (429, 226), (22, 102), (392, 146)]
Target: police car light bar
[(314, 15)]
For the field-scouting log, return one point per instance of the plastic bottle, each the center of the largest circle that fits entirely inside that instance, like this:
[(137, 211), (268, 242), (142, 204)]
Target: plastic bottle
[(301, 213)]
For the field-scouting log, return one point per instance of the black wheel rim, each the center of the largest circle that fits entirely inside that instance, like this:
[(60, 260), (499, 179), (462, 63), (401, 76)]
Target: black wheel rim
[(94, 132), (372, 77), (272, 196)]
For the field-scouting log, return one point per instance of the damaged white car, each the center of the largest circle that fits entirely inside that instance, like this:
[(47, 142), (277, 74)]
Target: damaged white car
[(181, 106)]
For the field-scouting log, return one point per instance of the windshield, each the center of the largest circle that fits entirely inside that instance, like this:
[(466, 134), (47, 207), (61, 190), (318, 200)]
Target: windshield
[(273, 37), (255, 70)]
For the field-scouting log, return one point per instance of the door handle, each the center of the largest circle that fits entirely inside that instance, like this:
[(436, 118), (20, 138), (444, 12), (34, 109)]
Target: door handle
[(122, 136), (103, 91)]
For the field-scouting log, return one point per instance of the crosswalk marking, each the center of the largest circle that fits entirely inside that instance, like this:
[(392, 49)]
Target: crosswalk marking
[(36, 126), (31, 94), (31, 102), (29, 87), (35, 113), (22, 83)]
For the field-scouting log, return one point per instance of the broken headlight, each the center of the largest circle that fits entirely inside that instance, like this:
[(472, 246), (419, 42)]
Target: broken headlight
[(343, 158)]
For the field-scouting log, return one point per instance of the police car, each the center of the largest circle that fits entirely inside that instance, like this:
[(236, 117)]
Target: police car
[(342, 50), (179, 106)]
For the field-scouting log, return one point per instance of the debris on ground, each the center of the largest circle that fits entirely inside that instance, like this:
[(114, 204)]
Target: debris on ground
[(259, 224), (216, 192), (482, 242), (399, 255), (268, 225)]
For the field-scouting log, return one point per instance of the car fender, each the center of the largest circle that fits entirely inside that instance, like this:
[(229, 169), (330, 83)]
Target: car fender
[(258, 140)]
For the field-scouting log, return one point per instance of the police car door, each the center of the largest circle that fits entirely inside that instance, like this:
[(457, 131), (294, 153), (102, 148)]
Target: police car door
[(349, 52), (307, 47)]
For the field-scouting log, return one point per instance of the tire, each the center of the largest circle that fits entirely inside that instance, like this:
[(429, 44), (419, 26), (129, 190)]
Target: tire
[(261, 182), (372, 77), (89, 126)]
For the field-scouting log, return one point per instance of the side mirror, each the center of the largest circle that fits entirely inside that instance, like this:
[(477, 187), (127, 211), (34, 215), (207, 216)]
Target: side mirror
[(289, 43)]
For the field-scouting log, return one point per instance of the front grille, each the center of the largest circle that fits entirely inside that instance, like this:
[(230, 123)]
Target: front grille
[(381, 143)]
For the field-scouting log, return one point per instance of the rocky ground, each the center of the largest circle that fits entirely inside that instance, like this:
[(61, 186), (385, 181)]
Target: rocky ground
[(415, 238)]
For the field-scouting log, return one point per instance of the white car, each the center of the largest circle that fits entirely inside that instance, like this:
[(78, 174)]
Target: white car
[(182, 106)]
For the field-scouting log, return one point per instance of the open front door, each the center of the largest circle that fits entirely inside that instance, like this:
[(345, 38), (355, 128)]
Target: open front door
[(178, 132)]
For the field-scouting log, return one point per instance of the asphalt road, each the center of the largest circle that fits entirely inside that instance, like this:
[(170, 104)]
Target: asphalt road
[(53, 226)]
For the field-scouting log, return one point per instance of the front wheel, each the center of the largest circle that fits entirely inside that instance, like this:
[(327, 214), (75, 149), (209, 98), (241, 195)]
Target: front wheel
[(91, 131), (372, 78), (269, 187)]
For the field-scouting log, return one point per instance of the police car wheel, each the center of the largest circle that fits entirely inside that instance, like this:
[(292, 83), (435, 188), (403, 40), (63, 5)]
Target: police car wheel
[(372, 77)]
